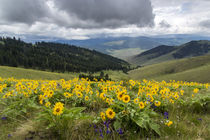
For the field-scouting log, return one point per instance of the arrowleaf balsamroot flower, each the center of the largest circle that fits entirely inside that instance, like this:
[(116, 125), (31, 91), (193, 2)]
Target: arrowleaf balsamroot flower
[(196, 90), (103, 117), (141, 105), (168, 123), (86, 98), (110, 113), (58, 108), (126, 98), (47, 104), (157, 103)]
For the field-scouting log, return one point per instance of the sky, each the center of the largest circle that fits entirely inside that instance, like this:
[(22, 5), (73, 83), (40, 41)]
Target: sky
[(84, 19)]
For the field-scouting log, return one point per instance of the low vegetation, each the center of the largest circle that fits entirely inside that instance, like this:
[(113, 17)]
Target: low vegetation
[(83, 109)]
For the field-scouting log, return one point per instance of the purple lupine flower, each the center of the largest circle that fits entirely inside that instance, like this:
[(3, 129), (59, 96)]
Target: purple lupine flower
[(101, 133), (94, 126), (108, 131), (199, 119), (9, 135), (166, 115), (107, 124), (3, 118), (120, 131)]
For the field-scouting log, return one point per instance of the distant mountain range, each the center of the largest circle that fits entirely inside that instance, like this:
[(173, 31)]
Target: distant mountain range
[(121, 47), (165, 53), (124, 47)]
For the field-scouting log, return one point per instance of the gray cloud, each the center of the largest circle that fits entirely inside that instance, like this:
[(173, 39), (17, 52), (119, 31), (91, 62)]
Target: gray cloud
[(205, 23), (23, 11), (109, 13), (79, 13), (164, 24)]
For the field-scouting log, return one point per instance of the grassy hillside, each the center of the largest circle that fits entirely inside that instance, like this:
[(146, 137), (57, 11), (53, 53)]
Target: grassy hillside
[(6, 72), (166, 53), (19, 73), (189, 69)]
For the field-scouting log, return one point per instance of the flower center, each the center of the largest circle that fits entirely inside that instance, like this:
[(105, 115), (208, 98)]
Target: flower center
[(110, 113), (58, 109)]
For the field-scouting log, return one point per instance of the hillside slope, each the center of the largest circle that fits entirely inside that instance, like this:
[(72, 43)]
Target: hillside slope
[(166, 53), (188, 69), (56, 57), (19, 73)]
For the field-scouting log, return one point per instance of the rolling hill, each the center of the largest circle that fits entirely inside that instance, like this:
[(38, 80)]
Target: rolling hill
[(187, 69), (117, 46), (56, 57), (165, 53)]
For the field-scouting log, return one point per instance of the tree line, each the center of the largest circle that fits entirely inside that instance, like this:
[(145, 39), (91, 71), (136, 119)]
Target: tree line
[(56, 57)]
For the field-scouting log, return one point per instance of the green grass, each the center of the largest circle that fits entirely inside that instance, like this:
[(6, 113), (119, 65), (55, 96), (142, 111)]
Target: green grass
[(200, 74), (116, 75), (19, 73), (189, 69), (145, 60)]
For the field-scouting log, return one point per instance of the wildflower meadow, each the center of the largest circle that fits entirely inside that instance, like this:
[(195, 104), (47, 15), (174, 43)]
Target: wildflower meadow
[(84, 109)]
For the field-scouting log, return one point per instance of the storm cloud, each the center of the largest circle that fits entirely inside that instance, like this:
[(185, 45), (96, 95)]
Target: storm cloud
[(81, 19), (23, 11), (110, 13), (79, 13)]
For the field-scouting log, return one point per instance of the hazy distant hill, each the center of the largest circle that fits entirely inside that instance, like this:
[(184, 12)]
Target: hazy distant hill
[(56, 57), (121, 47), (165, 53), (124, 47)]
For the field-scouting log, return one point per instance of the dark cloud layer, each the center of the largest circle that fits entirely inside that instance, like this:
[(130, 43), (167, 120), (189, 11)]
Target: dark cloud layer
[(82, 13), (110, 13), (23, 11)]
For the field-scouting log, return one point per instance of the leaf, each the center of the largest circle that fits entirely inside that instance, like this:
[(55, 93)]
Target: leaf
[(153, 114), (75, 110), (73, 113), (50, 125), (24, 110), (155, 127), (117, 125), (139, 122)]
